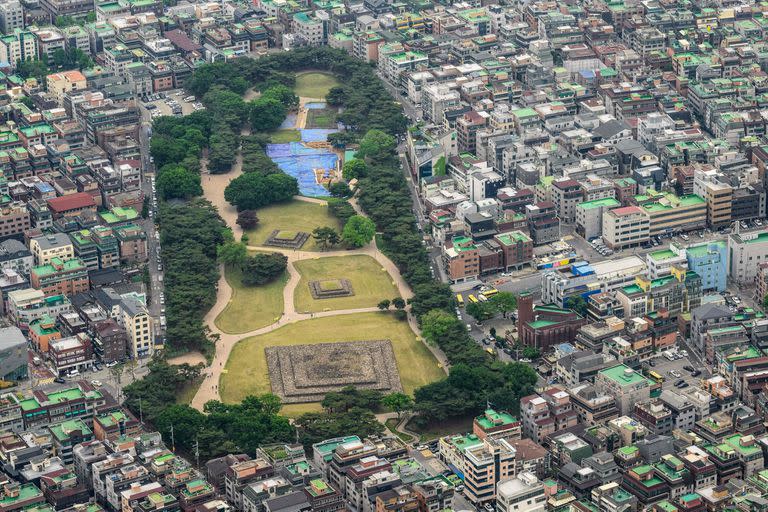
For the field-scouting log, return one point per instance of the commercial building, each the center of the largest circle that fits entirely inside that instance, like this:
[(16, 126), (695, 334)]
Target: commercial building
[(462, 259), (140, 327), (677, 292), (485, 465), (524, 493), (71, 353), (625, 384), (710, 261), (624, 227), (668, 213), (13, 354), (745, 252), (660, 262), (29, 304), (583, 279), (589, 216)]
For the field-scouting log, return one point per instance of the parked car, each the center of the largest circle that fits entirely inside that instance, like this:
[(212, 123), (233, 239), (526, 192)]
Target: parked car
[(59, 380)]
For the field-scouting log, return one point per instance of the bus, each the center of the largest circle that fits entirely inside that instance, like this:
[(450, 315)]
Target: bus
[(460, 300), (473, 299), (656, 377), (490, 293)]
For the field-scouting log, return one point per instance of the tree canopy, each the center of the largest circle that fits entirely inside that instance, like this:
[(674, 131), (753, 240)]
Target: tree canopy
[(251, 191), (358, 231)]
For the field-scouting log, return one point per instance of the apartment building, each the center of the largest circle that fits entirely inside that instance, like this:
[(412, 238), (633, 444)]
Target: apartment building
[(47, 247), (18, 46), (140, 327), (14, 219), (485, 465), (60, 277)]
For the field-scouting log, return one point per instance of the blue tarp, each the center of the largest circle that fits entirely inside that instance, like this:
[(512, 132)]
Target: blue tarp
[(300, 161)]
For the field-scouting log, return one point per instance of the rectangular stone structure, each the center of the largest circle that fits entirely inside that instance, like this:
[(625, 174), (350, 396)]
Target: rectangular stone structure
[(306, 373)]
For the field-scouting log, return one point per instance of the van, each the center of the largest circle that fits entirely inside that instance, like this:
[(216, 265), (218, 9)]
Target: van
[(189, 98)]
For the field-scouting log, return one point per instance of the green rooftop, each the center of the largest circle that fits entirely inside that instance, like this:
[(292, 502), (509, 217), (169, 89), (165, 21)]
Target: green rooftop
[(491, 419), (606, 202), (623, 375), (61, 431), (26, 492), (663, 254)]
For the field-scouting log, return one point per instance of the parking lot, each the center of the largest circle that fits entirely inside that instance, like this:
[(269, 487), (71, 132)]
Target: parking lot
[(676, 370), (171, 103)]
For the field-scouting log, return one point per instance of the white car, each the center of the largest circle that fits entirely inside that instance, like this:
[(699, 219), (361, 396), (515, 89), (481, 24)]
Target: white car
[(96, 383)]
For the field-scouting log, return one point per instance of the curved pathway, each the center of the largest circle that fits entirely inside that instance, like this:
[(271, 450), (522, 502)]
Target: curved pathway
[(213, 188)]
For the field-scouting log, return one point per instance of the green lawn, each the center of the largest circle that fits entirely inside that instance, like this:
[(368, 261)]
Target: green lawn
[(314, 84), (292, 216), (251, 307), (370, 282), (246, 370), (321, 118), (285, 136)]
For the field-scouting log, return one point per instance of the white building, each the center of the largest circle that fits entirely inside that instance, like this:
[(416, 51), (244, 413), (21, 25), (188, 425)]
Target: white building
[(660, 262), (606, 276), (11, 16), (524, 493), (746, 251), (136, 320), (626, 227), (18, 46)]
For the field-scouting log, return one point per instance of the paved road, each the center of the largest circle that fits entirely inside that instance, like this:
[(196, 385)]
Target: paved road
[(156, 309)]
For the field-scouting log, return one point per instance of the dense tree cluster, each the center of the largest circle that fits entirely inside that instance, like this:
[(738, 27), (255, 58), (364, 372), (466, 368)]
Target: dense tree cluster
[(367, 105), (189, 234), (254, 158), (222, 429), (253, 190), (263, 268)]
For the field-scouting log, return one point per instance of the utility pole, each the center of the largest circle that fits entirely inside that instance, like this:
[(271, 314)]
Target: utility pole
[(141, 413), (173, 443), (197, 452)]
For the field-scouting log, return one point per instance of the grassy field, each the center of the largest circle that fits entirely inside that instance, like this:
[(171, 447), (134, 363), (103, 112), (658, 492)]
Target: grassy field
[(251, 307), (246, 370), (370, 282), (285, 136), (296, 410), (321, 118), (313, 84), (292, 216)]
